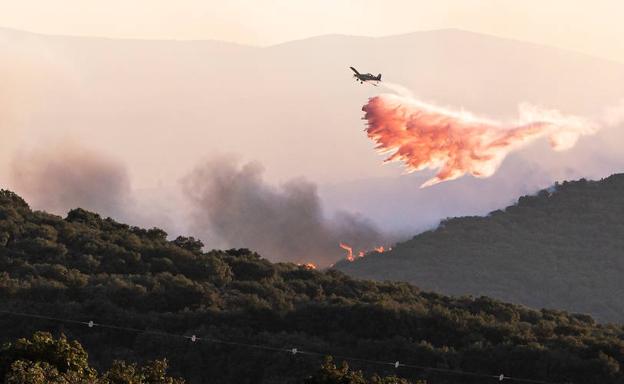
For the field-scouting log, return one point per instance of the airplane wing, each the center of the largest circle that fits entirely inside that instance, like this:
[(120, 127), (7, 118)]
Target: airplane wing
[(355, 70)]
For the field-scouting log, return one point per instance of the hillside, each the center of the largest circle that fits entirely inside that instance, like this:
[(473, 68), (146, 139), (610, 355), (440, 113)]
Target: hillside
[(87, 268), (562, 248)]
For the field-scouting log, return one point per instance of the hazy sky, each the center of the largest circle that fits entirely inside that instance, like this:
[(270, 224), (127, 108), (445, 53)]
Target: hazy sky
[(593, 27)]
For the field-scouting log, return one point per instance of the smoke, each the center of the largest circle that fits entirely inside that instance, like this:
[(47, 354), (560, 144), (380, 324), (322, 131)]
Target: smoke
[(233, 206), (425, 136), (31, 73), (614, 115), (398, 89), (59, 178)]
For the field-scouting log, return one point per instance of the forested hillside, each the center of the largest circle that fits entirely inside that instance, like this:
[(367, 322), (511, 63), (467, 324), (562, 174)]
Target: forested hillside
[(87, 268), (562, 248)]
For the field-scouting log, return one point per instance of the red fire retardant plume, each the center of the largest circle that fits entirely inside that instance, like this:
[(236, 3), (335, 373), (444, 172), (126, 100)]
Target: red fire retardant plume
[(425, 136)]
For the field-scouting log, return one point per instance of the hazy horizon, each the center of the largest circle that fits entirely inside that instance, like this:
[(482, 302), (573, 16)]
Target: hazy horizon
[(138, 117), (310, 37), (583, 26)]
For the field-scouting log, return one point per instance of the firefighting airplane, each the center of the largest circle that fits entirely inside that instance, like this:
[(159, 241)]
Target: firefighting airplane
[(366, 77)]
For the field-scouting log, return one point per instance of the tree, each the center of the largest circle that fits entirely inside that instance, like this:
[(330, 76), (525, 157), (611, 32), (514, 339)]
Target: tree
[(331, 374), (44, 359), (189, 243), (44, 356), (152, 373)]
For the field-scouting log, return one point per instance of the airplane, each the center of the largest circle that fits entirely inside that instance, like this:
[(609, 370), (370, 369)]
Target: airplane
[(365, 77)]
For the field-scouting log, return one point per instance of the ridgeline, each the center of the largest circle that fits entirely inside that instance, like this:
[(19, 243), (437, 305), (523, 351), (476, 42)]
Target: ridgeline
[(561, 248)]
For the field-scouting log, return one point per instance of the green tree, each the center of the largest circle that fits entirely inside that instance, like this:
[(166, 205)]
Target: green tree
[(329, 373), (47, 357), (44, 359)]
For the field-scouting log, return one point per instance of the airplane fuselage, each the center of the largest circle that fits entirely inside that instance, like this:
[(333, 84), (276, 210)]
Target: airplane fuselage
[(364, 77)]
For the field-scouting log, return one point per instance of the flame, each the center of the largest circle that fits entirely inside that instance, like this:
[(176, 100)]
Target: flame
[(424, 136), (349, 251), (307, 265)]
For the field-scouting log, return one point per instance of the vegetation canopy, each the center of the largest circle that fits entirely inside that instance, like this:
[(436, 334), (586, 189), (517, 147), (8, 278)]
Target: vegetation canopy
[(85, 267)]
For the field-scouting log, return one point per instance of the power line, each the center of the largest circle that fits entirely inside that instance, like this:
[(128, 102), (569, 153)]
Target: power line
[(293, 351)]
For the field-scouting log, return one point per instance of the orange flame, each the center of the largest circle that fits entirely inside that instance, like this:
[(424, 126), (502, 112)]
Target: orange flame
[(349, 251), (456, 143), (308, 265)]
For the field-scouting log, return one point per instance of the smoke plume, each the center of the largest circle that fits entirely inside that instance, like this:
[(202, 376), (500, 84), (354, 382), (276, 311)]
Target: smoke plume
[(65, 177), (237, 208), (424, 136)]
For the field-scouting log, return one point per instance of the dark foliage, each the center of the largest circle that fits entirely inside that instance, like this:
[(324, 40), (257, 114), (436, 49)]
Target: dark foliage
[(44, 359), (85, 267), (331, 374), (562, 248)]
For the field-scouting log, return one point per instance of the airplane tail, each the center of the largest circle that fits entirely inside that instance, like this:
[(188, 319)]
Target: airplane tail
[(379, 77)]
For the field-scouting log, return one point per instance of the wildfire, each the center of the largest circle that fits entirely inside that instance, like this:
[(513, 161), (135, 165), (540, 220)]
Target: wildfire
[(307, 265), (456, 143), (349, 249)]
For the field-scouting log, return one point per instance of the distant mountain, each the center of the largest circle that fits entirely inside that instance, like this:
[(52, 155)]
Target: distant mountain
[(295, 108), (87, 268), (561, 248)]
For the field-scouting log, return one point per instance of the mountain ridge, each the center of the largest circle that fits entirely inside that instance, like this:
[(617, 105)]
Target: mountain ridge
[(466, 32), (557, 248)]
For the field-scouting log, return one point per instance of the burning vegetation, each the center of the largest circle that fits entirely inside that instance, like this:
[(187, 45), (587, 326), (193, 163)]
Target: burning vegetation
[(361, 253)]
